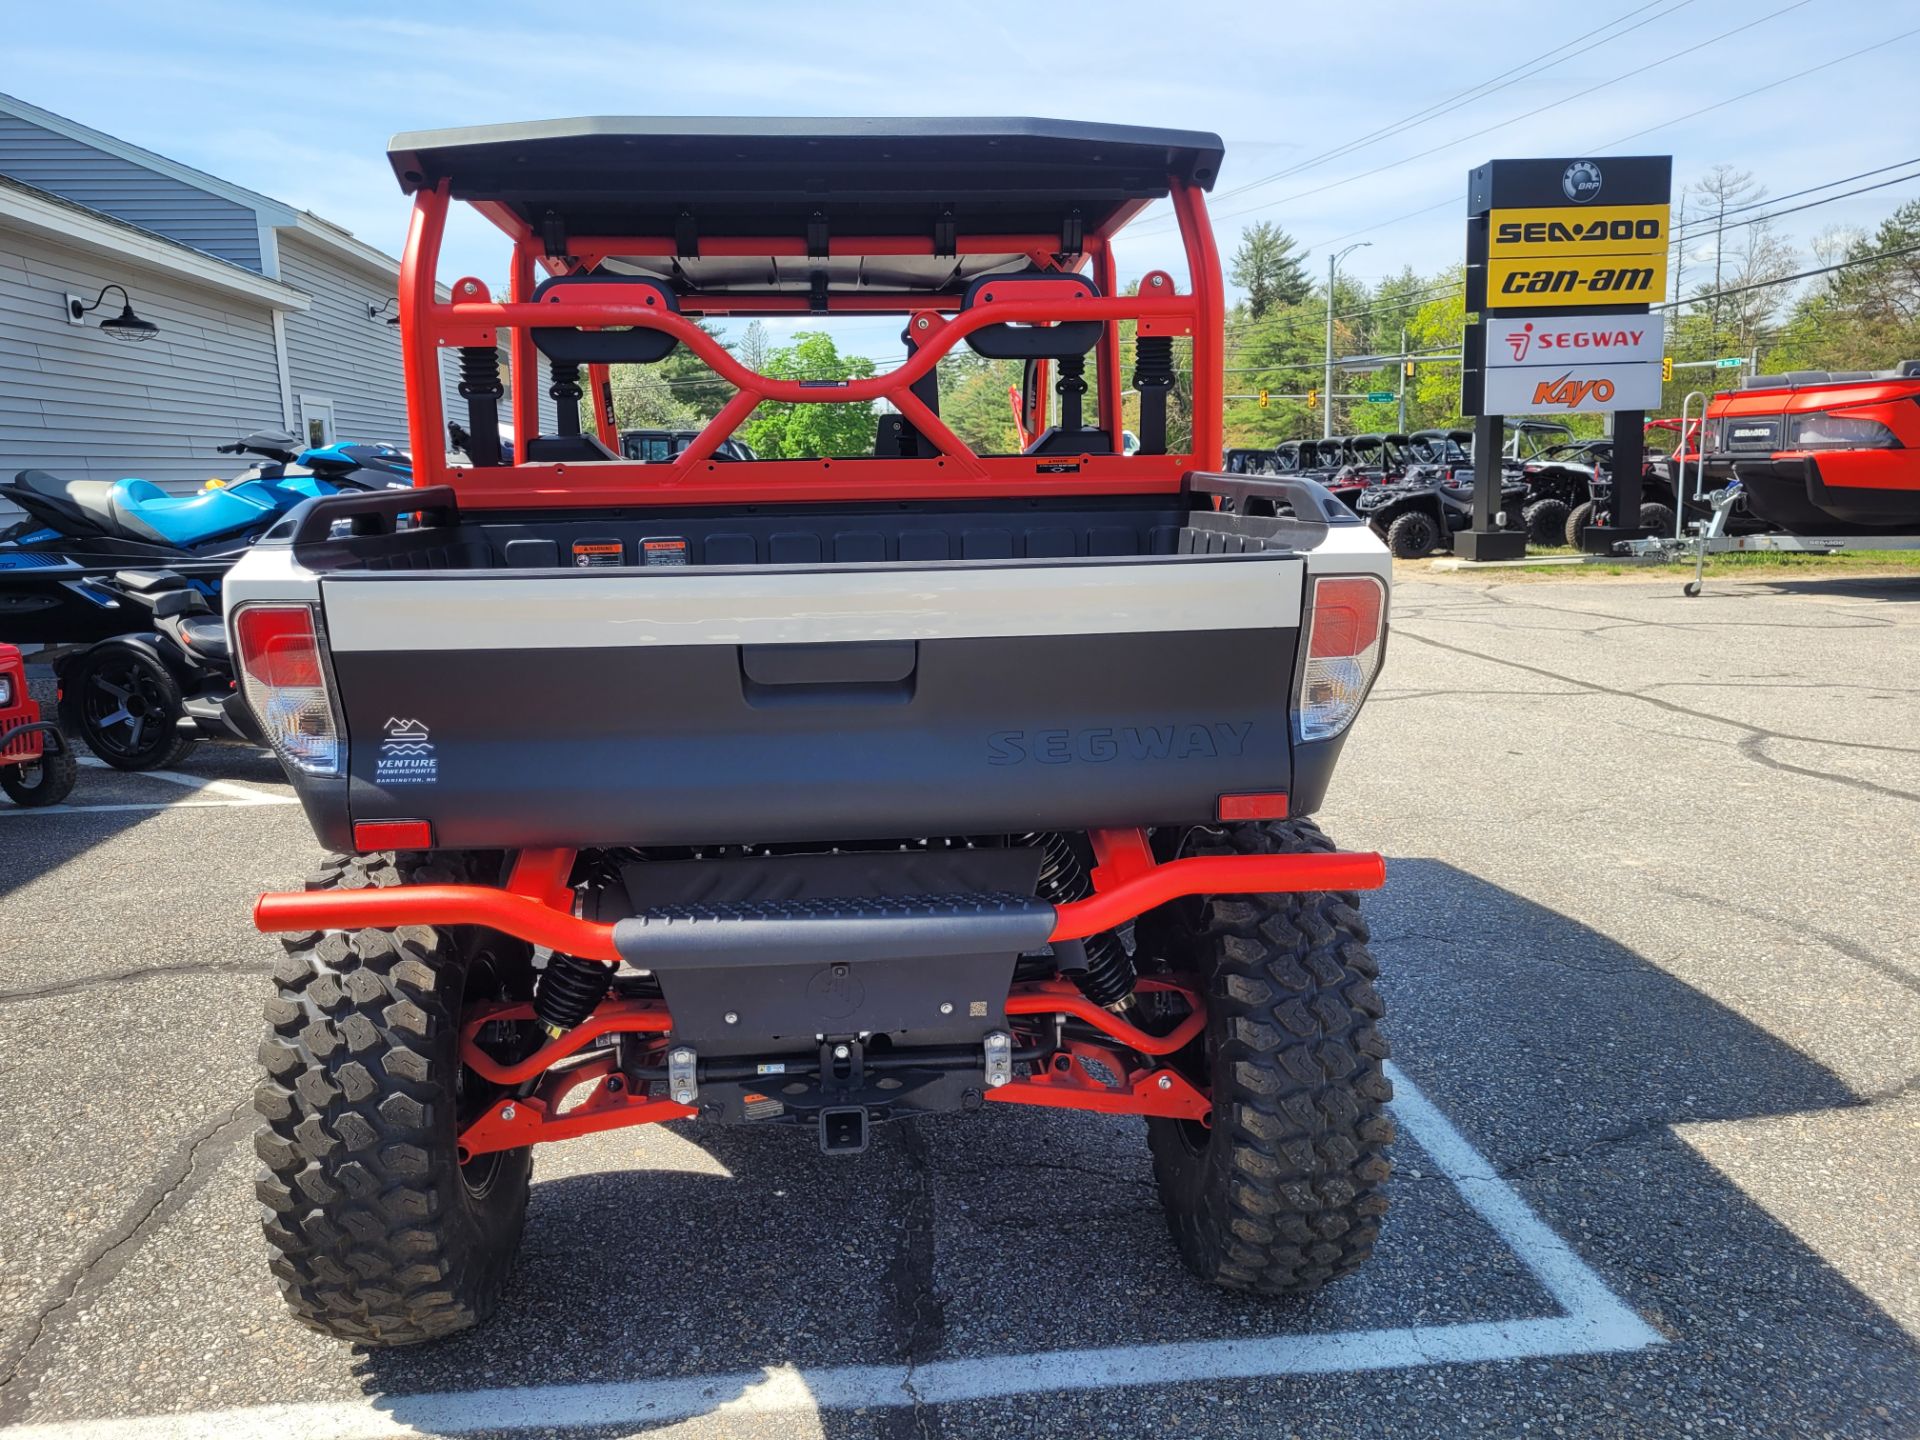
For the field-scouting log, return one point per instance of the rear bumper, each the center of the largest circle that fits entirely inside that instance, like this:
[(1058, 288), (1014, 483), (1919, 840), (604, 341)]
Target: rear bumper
[(751, 989), (547, 918)]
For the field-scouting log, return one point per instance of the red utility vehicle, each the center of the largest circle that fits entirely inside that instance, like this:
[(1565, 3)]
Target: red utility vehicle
[(812, 791), (1821, 453), (37, 766)]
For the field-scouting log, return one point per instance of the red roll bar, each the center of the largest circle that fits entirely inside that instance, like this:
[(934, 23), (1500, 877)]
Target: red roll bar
[(474, 318)]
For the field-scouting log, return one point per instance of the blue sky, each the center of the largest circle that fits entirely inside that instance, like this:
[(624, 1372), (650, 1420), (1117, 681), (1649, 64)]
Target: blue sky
[(298, 102)]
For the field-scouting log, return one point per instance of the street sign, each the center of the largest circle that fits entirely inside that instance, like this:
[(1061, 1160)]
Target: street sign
[(1379, 396), (1572, 364), (1729, 362)]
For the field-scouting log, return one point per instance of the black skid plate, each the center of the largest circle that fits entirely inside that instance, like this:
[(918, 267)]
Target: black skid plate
[(769, 976)]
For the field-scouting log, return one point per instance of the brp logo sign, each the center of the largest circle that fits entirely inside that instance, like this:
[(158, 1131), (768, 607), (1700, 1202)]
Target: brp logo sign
[(1581, 182)]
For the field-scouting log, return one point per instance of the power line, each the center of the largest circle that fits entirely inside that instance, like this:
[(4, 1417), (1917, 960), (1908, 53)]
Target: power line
[(1411, 301), (1770, 85), (1796, 209), (1795, 194), (1540, 110), (1789, 279), (1486, 87)]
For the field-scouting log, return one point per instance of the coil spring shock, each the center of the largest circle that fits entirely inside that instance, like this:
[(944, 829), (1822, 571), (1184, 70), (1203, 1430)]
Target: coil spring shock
[(480, 372), (1153, 361), (1109, 976), (568, 991), (1153, 377)]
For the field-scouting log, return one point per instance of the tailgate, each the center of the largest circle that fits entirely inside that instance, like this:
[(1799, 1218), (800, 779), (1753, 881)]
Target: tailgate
[(704, 706)]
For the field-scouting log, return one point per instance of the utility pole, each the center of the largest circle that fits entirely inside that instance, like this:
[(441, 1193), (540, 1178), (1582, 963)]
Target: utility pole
[(1326, 389), (1403, 364)]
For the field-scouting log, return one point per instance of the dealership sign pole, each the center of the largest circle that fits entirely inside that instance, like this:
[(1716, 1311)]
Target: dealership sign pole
[(1563, 259)]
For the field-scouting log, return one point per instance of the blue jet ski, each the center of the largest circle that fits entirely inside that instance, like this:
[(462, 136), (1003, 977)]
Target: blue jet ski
[(77, 531)]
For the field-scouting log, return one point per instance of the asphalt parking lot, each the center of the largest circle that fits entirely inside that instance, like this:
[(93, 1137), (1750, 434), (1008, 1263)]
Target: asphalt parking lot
[(1651, 951)]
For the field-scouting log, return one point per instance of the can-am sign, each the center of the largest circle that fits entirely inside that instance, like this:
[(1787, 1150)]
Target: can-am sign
[(1573, 364)]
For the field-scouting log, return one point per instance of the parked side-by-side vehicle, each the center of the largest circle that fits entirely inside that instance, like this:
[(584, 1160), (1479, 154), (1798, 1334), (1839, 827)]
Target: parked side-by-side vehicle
[(813, 792)]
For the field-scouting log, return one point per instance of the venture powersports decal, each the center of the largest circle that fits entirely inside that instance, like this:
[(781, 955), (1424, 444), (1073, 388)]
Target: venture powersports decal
[(406, 755)]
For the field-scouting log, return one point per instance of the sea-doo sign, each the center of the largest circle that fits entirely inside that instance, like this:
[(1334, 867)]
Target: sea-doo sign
[(1553, 236), (1573, 364)]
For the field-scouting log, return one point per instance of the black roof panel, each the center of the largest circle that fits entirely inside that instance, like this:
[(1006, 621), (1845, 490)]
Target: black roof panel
[(758, 176)]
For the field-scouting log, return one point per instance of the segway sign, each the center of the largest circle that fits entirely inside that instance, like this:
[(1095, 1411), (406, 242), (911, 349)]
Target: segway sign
[(1573, 364)]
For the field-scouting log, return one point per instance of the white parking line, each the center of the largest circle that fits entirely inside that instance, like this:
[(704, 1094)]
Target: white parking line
[(242, 793), (1595, 1321), (231, 795)]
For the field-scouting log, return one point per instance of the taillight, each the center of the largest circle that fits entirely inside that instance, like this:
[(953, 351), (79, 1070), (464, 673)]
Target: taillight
[(1343, 652), (286, 684), (1824, 430)]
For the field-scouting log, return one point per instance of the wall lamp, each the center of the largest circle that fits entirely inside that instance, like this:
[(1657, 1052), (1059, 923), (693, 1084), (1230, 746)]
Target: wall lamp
[(124, 326)]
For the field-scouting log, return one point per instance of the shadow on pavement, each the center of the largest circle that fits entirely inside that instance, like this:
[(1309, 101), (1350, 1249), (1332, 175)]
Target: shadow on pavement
[(1562, 1055), (34, 845)]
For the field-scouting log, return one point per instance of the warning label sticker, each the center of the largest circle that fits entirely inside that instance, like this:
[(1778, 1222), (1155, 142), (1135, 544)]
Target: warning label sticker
[(663, 550), (595, 553)]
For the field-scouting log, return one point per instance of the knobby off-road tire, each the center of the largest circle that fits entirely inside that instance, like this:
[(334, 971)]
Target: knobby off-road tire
[(46, 781), (1286, 1190), (1656, 517), (1578, 519), (1413, 536), (1546, 521), (378, 1234)]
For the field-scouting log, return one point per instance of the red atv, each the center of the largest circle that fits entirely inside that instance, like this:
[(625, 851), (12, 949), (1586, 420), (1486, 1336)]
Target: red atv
[(37, 766), (811, 792)]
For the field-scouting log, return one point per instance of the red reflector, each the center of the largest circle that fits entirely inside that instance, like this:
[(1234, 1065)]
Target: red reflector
[(392, 835), (278, 646), (1258, 805), (1346, 615)]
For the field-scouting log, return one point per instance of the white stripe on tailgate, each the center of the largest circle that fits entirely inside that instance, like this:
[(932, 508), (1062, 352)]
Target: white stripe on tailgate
[(527, 611)]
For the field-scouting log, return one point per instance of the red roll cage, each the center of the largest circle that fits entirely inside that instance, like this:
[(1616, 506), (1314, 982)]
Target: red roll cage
[(473, 317)]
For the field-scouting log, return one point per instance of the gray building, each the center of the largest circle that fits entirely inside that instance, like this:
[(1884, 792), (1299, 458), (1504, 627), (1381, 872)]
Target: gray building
[(268, 317)]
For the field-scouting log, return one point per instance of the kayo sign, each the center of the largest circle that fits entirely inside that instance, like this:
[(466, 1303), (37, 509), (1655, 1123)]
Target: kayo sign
[(1573, 364)]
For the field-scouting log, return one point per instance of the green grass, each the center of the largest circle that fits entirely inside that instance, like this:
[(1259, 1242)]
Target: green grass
[(1756, 564), (1750, 560)]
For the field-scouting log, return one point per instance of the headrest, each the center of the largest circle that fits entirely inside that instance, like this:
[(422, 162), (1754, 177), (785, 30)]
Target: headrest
[(569, 346), (1031, 342)]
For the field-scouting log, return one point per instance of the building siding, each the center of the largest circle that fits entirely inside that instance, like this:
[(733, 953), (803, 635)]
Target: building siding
[(80, 403), (127, 191), (335, 351)]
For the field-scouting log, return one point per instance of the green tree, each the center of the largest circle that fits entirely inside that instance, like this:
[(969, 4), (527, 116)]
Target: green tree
[(644, 399), (974, 401), (754, 345), (692, 383), (1437, 324), (1865, 317), (778, 430), (1266, 267)]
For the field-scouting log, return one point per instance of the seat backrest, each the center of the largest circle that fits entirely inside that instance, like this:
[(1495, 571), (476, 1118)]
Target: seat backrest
[(568, 346), (1031, 342)]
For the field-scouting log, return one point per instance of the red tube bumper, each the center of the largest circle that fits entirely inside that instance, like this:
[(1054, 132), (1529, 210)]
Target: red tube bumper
[(535, 920)]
